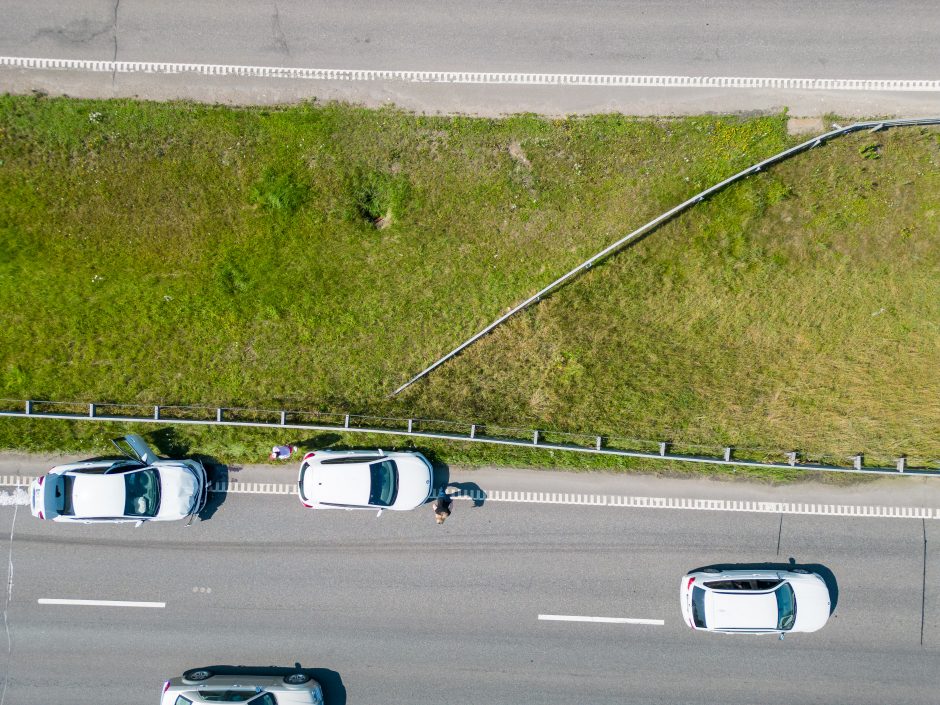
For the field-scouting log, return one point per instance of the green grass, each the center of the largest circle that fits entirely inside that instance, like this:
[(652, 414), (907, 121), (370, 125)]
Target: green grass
[(315, 257)]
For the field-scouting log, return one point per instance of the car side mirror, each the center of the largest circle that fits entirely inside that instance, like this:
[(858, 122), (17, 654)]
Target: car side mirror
[(138, 523), (379, 513), (782, 634)]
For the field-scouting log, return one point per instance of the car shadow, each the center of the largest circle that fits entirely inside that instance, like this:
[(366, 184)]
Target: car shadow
[(333, 689), (822, 571), (320, 440), (471, 490), (168, 443), (217, 475)]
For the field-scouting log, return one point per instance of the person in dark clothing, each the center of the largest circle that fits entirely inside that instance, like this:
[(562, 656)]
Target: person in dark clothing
[(441, 506)]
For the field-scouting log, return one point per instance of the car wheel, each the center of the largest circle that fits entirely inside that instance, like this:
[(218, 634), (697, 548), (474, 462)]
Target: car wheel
[(710, 570), (801, 571), (196, 675), (296, 679)]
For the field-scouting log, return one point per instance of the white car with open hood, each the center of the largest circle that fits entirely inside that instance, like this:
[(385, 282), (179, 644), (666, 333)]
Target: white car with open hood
[(365, 479), (754, 602), (136, 488)]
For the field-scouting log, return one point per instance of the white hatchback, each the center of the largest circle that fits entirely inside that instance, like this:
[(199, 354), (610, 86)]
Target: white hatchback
[(201, 685), (136, 488), (754, 602), (364, 479)]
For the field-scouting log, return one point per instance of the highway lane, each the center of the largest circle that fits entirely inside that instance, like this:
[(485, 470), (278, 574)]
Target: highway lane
[(398, 606), (842, 40)]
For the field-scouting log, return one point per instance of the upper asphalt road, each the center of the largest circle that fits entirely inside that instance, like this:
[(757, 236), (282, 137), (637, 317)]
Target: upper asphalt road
[(397, 609), (801, 39)]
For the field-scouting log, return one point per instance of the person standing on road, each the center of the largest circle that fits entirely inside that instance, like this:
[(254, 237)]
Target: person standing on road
[(282, 452), (441, 506)]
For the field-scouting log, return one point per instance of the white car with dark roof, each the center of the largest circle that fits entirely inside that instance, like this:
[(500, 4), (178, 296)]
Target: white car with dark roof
[(137, 487), (364, 479), (754, 602)]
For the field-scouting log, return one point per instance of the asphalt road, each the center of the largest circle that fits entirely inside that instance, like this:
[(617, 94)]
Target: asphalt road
[(842, 40), (397, 609)]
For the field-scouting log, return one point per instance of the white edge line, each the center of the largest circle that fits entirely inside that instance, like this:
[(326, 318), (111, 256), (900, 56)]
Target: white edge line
[(100, 603), (603, 620), (477, 77)]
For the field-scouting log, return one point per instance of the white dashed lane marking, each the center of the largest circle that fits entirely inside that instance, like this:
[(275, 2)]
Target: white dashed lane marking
[(592, 500), (603, 620), (470, 77), (99, 603)]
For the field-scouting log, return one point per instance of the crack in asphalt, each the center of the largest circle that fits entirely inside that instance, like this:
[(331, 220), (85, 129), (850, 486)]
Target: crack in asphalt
[(923, 589), (280, 41), (6, 606), (114, 20)]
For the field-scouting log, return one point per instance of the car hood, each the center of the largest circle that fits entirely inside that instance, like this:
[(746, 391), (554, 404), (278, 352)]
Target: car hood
[(38, 498), (414, 481), (179, 489), (812, 603)]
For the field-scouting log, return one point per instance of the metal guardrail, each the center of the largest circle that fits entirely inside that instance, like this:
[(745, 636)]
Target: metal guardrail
[(433, 429), (873, 126)]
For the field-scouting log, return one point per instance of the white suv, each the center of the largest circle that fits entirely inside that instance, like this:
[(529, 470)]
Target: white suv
[(201, 685)]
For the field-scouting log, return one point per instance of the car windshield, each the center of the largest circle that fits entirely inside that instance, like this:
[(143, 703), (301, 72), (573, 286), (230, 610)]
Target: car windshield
[(698, 607), (786, 607), (384, 483), (142, 493)]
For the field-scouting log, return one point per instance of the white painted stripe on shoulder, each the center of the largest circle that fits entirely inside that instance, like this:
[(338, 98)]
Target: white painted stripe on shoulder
[(602, 620), (470, 77), (625, 501), (100, 603)]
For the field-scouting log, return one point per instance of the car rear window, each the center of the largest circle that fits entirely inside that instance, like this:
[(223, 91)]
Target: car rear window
[(63, 494), (698, 607)]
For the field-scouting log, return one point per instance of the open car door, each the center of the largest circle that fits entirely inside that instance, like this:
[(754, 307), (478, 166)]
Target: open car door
[(133, 446)]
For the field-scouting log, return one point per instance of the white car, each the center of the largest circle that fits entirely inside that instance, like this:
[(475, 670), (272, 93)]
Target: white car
[(201, 685), (364, 479), (754, 602), (136, 488)]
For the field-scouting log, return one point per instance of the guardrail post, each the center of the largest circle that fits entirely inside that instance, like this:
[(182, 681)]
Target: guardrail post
[(535, 438), (857, 461), (791, 458), (346, 421), (29, 407), (91, 411), (156, 412), (473, 430), (728, 450), (218, 415), (409, 425), (663, 447), (599, 442), (902, 463), (283, 418)]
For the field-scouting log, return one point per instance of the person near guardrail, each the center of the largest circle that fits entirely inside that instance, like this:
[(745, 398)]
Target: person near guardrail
[(282, 452), (441, 506)]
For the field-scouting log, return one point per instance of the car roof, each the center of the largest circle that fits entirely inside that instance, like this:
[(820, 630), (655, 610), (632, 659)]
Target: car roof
[(98, 495), (740, 609), (346, 483)]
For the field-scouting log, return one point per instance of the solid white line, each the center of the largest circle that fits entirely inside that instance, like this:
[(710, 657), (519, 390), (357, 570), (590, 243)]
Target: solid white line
[(604, 620), (473, 77), (100, 603)]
